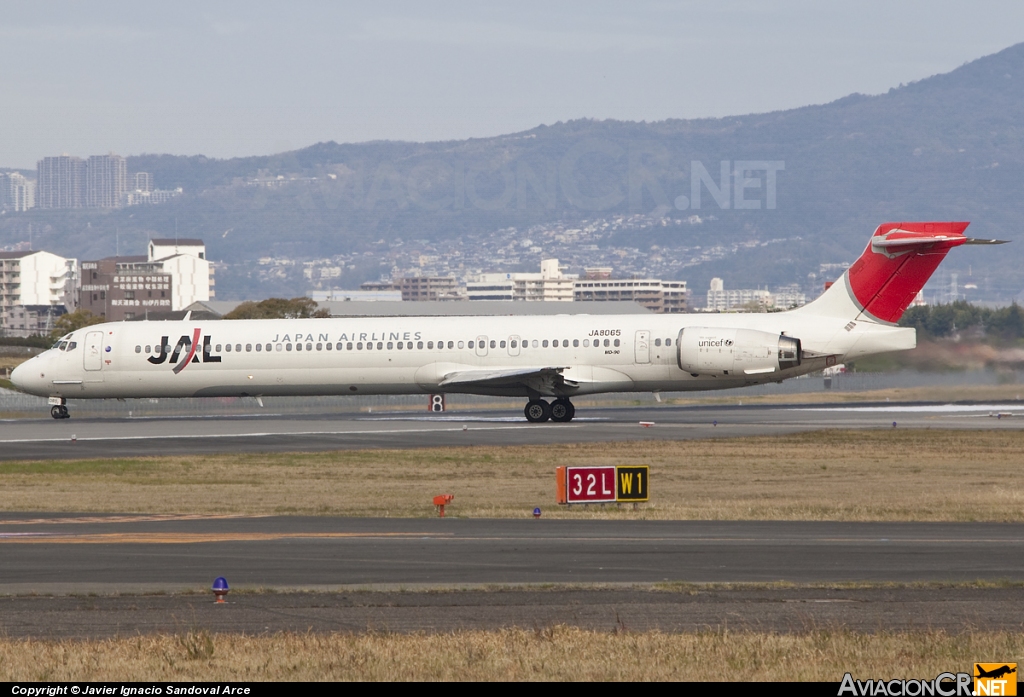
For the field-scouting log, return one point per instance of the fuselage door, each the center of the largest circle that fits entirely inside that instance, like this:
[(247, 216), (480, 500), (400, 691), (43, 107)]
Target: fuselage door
[(93, 354), (481, 346), (643, 346), (513, 345)]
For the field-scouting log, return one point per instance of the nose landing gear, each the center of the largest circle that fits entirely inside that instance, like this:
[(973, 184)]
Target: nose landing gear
[(560, 411), (59, 411)]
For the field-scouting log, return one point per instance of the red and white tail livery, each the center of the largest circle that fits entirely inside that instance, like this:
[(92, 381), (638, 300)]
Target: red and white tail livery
[(547, 360)]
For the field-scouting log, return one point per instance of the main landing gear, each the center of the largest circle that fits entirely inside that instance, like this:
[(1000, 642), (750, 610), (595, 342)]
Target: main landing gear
[(59, 411), (560, 410)]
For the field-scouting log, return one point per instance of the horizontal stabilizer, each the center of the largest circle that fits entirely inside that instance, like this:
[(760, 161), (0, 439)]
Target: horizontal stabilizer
[(972, 240)]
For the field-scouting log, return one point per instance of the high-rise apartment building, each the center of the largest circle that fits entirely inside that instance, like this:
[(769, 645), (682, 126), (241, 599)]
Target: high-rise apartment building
[(60, 182), (17, 193), (106, 179)]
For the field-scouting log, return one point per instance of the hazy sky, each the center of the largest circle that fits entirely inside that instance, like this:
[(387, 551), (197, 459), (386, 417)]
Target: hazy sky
[(241, 78)]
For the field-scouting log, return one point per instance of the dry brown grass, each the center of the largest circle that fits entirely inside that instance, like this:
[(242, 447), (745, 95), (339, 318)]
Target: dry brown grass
[(558, 653), (827, 475)]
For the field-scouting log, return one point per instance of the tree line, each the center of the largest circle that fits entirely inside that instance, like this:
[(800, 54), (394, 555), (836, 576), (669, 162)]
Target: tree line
[(961, 317)]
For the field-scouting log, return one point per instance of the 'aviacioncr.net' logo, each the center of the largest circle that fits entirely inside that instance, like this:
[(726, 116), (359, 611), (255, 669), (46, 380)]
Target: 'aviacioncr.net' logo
[(995, 679)]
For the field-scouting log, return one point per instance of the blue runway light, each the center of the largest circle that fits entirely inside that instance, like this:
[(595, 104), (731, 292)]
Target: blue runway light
[(220, 588)]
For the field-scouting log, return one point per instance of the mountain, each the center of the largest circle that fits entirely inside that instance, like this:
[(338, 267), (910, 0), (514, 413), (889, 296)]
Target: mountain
[(948, 147)]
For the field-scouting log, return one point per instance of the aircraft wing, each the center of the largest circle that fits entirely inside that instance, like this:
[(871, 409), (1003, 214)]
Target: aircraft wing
[(532, 377)]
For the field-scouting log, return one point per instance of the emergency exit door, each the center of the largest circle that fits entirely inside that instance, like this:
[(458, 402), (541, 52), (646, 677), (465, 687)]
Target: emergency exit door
[(643, 346)]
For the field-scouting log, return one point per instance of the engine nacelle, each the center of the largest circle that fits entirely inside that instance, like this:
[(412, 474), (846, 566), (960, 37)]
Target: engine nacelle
[(735, 352)]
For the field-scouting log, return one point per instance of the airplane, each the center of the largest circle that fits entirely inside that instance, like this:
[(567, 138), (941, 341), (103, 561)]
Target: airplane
[(994, 673), (548, 360)]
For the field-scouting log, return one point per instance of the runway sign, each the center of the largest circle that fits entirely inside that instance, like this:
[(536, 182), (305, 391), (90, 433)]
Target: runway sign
[(620, 484), (631, 483), (436, 402), (590, 484)]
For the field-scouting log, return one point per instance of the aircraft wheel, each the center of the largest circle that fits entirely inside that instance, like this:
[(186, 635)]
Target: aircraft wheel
[(537, 411), (562, 410), (55, 412), (64, 414)]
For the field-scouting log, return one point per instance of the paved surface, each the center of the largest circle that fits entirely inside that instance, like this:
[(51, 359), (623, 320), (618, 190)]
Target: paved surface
[(58, 554), (45, 438), (694, 609), (96, 576)]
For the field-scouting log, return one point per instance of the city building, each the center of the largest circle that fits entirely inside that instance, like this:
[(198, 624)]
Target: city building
[(106, 181), (60, 182), (30, 281), (173, 275), (753, 300), (17, 192), (141, 181), (426, 288), (654, 294), (549, 285), (361, 295), (32, 320)]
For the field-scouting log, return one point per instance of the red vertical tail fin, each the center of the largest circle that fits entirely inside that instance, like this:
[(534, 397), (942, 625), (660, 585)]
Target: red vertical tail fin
[(898, 261)]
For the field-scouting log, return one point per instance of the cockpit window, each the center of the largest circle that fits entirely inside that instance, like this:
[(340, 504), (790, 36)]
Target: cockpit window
[(62, 345), (71, 345)]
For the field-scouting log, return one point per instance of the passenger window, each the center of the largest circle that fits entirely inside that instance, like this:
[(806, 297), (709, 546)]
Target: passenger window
[(149, 349), (606, 343), (348, 345), (390, 346), (616, 342), (259, 347), (657, 342), (668, 342), (565, 343), (451, 344), (138, 349), (492, 343), (228, 348), (380, 345), (544, 343), (586, 343), (276, 348), (298, 347), (248, 348), (460, 344), (513, 343), (419, 344), (535, 343), (238, 347), (576, 343), (470, 345), (288, 347), (218, 348), (502, 342), (430, 344), (359, 346)]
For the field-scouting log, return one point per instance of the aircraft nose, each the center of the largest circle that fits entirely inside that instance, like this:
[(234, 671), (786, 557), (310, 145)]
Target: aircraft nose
[(24, 377)]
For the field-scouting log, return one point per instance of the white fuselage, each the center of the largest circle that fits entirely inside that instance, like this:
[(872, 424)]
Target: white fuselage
[(411, 355)]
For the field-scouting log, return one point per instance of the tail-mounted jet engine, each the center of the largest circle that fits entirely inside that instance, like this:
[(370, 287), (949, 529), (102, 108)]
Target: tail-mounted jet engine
[(735, 352)]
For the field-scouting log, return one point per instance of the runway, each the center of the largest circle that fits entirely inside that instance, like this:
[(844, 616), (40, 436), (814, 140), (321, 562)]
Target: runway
[(97, 576), (45, 438), (62, 554)]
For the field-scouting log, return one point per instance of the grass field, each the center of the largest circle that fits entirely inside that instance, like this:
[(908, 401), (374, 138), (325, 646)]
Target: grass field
[(928, 475), (558, 653)]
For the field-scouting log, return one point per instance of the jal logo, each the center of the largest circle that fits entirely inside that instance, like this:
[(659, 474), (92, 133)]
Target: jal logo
[(184, 351)]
